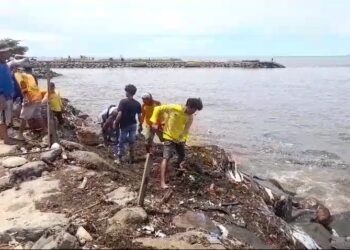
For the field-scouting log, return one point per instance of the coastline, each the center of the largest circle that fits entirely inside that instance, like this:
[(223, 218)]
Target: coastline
[(228, 208)]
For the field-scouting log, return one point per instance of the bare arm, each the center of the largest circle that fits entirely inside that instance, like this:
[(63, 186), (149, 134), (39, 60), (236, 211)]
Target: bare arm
[(187, 128), (114, 115)]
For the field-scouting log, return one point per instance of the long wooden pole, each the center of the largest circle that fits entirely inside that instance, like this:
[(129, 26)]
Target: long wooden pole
[(143, 187), (49, 118)]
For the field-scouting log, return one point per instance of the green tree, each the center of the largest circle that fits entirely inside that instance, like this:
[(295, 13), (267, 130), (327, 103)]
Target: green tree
[(14, 45)]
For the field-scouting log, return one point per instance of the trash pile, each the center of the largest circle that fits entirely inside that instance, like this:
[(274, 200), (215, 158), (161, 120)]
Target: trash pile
[(72, 195)]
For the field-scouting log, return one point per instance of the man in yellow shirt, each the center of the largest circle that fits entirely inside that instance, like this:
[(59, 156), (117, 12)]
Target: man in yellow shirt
[(31, 107), (146, 125), (178, 121), (55, 101)]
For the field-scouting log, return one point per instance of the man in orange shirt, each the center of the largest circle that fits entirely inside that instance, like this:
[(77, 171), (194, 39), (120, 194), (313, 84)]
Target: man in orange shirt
[(31, 108), (146, 114)]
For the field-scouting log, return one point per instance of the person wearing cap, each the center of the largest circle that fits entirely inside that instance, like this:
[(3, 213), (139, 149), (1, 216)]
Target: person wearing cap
[(32, 98), (125, 117), (146, 125), (6, 95), (112, 133), (55, 102), (176, 129)]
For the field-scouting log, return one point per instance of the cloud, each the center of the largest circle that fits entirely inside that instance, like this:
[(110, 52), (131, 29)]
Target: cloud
[(177, 23)]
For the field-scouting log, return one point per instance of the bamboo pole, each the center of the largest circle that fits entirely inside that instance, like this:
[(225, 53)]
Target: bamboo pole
[(48, 109), (51, 128), (143, 187)]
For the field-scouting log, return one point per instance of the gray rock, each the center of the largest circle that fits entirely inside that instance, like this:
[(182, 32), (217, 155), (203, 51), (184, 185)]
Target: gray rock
[(83, 236), (318, 233), (53, 239), (187, 240), (13, 162), (5, 238), (69, 145), (83, 116), (18, 209), (194, 220), (45, 242), (5, 182), (340, 243), (90, 160), (246, 236), (29, 245), (88, 136), (341, 224), (7, 149), (67, 241), (121, 196), (126, 217), (29, 169), (51, 155)]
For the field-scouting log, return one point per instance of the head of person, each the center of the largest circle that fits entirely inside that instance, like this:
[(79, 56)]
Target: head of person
[(28, 69), (193, 105), (147, 98), (52, 87), (5, 54), (130, 90)]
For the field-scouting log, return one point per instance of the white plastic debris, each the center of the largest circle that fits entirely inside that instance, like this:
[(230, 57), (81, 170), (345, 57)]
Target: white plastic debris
[(24, 150), (224, 232), (64, 156), (148, 229), (233, 174), (83, 184), (304, 238), (191, 178), (55, 146), (160, 234), (269, 193), (334, 233)]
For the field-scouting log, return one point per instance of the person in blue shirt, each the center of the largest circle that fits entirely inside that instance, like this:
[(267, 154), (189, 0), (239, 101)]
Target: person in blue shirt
[(6, 95)]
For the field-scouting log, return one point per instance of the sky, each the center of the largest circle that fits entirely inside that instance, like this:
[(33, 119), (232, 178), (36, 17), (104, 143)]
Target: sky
[(178, 28)]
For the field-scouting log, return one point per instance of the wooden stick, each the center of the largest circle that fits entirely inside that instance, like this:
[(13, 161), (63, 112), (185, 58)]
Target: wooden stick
[(143, 187), (49, 127), (166, 197)]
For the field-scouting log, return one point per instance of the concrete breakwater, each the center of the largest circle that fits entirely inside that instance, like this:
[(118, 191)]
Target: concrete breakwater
[(153, 63)]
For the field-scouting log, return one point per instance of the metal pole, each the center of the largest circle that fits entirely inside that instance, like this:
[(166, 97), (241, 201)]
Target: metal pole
[(49, 123)]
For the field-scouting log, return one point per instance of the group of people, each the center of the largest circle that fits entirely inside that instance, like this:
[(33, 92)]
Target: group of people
[(171, 123), (19, 88)]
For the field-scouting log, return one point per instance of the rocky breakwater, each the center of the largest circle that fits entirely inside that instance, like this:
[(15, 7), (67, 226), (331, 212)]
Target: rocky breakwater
[(40, 73), (73, 196), (154, 63)]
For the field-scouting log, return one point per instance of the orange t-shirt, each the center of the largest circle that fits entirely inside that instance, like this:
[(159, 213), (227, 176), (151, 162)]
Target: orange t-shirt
[(29, 87), (147, 111)]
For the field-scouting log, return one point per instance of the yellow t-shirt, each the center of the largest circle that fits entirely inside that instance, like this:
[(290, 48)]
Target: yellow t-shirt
[(55, 102), (29, 87), (176, 124)]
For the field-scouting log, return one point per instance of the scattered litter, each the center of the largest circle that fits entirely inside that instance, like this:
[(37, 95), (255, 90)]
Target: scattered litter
[(191, 178), (224, 232), (160, 234), (304, 238), (83, 184), (269, 193), (148, 229)]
